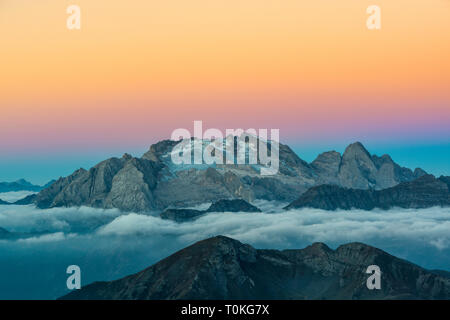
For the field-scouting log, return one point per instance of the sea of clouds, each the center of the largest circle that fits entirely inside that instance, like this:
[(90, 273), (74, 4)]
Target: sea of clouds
[(13, 196), (108, 244)]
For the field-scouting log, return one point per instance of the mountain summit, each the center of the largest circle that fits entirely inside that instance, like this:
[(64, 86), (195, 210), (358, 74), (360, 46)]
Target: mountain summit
[(154, 182)]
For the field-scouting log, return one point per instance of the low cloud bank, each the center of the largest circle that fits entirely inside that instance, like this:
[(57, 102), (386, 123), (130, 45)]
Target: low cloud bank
[(30, 219), (275, 229), (108, 244), (13, 196), (430, 226)]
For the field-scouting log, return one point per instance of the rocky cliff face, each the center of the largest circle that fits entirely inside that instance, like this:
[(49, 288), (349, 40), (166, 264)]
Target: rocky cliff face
[(155, 182), (125, 183), (223, 268), (424, 192)]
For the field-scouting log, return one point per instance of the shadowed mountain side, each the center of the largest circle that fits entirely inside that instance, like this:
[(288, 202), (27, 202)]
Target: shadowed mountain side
[(27, 200), (223, 268), (424, 192), (183, 215), (8, 235)]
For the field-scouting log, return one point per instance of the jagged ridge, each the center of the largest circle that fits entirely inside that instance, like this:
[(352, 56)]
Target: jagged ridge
[(424, 192), (153, 182)]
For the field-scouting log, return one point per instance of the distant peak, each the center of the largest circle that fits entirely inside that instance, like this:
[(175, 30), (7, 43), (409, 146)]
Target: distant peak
[(23, 182), (320, 246), (126, 156), (360, 248), (356, 148), (356, 144)]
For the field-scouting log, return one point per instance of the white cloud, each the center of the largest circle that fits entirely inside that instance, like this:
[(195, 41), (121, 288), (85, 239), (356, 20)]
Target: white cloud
[(430, 226), (13, 196), (109, 244), (51, 237), (30, 219), (280, 229)]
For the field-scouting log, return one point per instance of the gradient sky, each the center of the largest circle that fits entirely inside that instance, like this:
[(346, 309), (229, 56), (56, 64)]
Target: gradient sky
[(139, 69)]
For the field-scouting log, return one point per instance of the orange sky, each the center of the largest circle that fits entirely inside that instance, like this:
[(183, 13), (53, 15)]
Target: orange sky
[(144, 47), (184, 58), (138, 69)]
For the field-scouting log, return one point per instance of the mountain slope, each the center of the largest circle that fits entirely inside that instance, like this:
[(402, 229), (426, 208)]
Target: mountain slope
[(154, 182), (424, 192), (223, 268)]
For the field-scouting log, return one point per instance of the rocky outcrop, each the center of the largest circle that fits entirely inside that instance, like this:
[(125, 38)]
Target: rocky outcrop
[(154, 182), (327, 165), (223, 268), (184, 215), (424, 192), (181, 215), (236, 205)]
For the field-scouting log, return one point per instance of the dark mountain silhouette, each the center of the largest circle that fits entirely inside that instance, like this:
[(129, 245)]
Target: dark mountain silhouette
[(27, 200), (4, 234), (22, 185), (223, 268), (235, 205), (183, 215), (424, 192)]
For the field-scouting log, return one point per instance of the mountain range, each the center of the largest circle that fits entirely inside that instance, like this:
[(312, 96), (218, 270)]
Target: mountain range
[(22, 185), (224, 268), (424, 192), (153, 182)]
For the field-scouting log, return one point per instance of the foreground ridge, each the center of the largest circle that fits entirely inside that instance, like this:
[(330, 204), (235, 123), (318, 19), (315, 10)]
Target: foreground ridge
[(224, 268)]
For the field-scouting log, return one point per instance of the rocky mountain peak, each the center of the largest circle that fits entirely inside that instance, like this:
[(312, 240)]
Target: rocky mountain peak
[(126, 156), (356, 149), (158, 149), (317, 248)]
